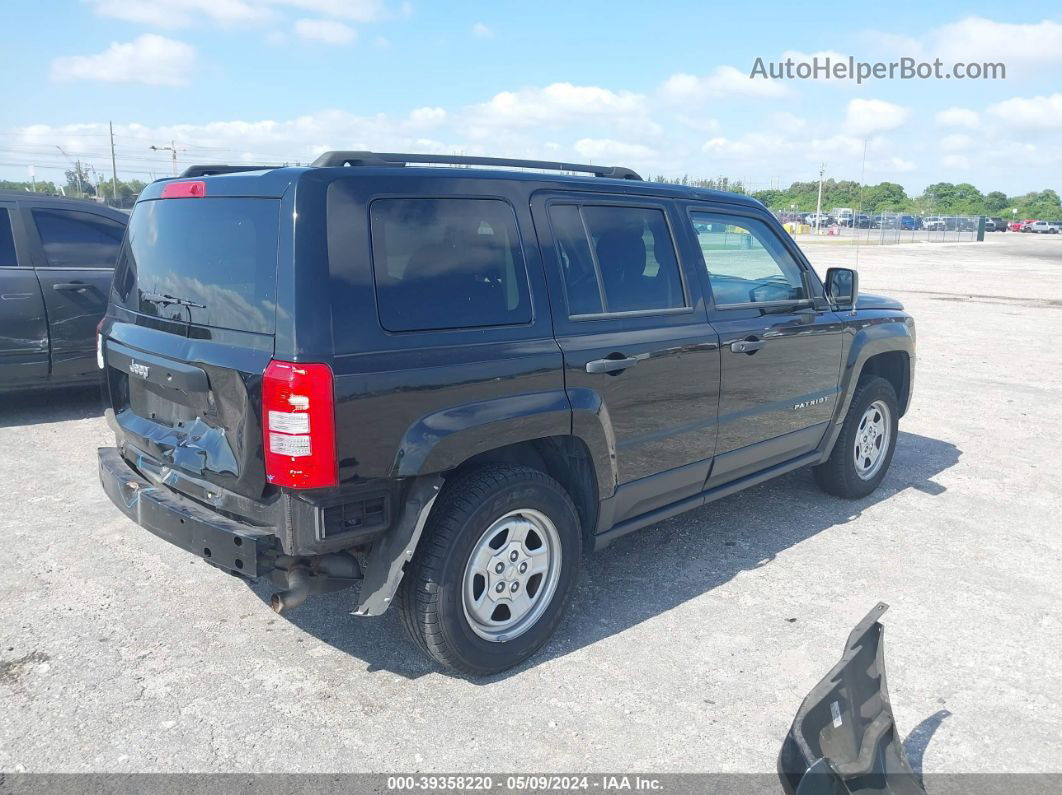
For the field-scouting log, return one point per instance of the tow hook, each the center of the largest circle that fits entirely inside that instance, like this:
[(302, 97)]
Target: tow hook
[(303, 577)]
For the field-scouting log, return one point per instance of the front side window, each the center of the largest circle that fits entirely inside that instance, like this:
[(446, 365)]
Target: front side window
[(746, 261), (73, 239), (616, 259), (447, 263)]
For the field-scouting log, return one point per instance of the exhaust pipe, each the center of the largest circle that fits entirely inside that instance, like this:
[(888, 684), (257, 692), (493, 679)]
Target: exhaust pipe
[(299, 582), (326, 573)]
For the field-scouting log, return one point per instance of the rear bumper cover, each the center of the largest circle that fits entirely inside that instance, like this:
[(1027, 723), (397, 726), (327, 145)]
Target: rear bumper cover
[(232, 546), (844, 739)]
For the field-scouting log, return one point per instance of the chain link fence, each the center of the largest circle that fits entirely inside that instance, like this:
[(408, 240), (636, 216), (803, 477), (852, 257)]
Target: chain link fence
[(886, 228)]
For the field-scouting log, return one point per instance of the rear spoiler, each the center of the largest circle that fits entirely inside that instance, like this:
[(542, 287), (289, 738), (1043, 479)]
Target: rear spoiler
[(210, 171)]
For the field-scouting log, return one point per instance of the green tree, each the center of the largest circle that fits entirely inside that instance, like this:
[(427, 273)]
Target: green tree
[(886, 196), (774, 199), (996, 202), (1044, 205), (77, 181), (40, 187)]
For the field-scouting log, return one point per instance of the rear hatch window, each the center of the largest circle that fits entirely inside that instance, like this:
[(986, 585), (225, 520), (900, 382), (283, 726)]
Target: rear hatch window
[(209, 261)]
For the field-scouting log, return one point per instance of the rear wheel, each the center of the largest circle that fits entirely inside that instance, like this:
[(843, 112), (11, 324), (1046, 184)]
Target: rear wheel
[(493, 574), (864, 448)]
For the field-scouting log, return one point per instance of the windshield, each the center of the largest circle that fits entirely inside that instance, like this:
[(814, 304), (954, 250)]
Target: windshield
[(212, 262)]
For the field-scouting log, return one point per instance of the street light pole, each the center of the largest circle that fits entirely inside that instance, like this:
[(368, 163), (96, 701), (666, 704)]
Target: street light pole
[(818, 207), (172, 149), (114, 167)]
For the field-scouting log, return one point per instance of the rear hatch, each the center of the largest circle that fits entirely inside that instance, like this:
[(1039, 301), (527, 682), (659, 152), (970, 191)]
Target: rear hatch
[(188, 336)]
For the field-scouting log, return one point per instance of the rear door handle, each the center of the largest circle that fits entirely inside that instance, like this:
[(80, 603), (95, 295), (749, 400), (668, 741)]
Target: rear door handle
[(611, 365), (71, 287), (746, 346)]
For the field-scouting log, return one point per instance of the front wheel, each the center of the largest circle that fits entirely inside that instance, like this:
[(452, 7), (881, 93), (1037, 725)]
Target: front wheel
[(864, 448), (495, 569)]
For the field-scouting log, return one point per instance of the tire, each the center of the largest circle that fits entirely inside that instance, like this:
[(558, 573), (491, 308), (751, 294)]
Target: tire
[(448, 599), (841, 474)]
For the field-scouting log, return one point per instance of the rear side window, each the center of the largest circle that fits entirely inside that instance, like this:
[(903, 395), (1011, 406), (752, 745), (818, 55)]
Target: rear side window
[(447, 263), (616, 259), (8, 258), (73, 239)]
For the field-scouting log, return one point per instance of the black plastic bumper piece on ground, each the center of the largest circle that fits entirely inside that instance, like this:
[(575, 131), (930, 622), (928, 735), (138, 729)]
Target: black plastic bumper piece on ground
[(229, 545), (844, 740)]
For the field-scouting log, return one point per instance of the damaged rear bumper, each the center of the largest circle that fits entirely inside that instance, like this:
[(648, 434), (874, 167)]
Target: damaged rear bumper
[(233, 546), (844, 739)]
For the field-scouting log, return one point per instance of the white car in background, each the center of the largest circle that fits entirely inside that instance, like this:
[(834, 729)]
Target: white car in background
[(1042, 228)]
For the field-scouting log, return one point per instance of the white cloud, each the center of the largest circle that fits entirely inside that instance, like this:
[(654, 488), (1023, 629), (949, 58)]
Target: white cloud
[(481, 31), (150, 58), (977, 38), (788, 122), (957, 162), (698, 123), (867, 116), (185, 13), (1019, 45), (1030, 113), (755, 146), (723, 81), (601, 150), (351, 10), (182, 13), (327, 31), (428, 117), (956, 142), (958, 117), (556, 105), (898, 165)]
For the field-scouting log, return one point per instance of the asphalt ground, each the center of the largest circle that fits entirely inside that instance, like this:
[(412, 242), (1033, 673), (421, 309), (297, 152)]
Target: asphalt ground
[(688, 646)]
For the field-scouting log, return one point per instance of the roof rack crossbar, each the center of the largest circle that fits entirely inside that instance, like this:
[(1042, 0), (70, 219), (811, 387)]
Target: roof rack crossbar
[(398, 159), (210, 171)]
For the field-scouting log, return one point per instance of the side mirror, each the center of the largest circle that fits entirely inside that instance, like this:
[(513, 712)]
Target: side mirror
[(842, 287)]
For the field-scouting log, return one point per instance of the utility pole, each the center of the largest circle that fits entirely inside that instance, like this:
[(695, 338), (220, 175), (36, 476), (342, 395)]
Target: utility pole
[(114, 168), (172, 149), (818, 207)]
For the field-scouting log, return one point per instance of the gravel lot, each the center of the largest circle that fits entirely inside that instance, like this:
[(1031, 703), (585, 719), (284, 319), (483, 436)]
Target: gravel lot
[(689, 645)]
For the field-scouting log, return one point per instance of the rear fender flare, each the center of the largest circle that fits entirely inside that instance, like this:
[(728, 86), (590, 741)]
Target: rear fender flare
[(444, 440)]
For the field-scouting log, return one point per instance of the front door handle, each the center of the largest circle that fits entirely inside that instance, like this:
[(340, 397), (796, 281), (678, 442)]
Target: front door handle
[(747, 346), (611, 365), (71, 287)]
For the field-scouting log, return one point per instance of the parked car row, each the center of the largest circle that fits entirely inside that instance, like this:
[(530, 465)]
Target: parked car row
[(1040, 227), (845, 217)]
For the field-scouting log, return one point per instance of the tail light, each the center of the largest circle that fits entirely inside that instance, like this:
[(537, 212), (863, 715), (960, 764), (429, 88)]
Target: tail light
[(298, 422)]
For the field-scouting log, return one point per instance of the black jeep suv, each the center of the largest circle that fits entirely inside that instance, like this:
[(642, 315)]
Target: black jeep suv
[(445, 385)]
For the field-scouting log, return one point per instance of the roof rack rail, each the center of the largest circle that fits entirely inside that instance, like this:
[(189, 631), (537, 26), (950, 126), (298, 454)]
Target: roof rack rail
[(210, 171), (398, 159)]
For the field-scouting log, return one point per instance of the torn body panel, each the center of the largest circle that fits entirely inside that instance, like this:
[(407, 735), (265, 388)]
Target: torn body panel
[(844, 739)]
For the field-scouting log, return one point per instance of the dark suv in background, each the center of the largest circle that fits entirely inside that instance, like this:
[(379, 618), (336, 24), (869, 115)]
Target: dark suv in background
[(445, 385), (56, 260)]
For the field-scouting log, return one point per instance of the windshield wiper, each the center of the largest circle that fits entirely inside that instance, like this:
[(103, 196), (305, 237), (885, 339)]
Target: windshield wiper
[(163, 298)]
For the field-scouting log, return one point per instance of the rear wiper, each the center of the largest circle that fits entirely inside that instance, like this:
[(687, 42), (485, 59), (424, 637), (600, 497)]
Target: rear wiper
[(163, 298)]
